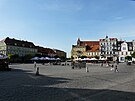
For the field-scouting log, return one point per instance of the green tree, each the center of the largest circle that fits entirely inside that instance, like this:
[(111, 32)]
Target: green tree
[(133, 55), (82, 57), (27, 58), (128, 57), (38, 55), (97, 57), (13, 57)]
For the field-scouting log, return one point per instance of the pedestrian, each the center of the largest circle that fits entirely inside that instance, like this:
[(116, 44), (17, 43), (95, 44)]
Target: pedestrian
[(112, 67), (73, 64), (101, 64), (34, 64), (87, 70), (116, 68), (37, 71)]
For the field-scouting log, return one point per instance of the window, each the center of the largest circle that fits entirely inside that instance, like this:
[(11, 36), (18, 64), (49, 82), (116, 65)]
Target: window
[(122, 58), (130, 48), (124, 48), (110, 52)]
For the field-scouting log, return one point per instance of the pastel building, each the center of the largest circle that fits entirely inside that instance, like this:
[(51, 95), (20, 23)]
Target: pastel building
[(108, 48), (22, 48), (61, 54), (85, 48), (124, 49), (19, 47), (133, 45)]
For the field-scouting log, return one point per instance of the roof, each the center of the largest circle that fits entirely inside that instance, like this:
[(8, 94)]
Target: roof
[(89, 43), (45, 50), (108, 38), (20, 43), (94, 48), (91, 46)]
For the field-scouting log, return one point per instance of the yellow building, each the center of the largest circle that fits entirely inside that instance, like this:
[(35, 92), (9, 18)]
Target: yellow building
[(85, 48)]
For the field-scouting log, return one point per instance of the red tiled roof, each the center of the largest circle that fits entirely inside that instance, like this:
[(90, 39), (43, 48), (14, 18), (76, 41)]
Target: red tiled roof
[(94, 48), (89, 43), (91, 46)]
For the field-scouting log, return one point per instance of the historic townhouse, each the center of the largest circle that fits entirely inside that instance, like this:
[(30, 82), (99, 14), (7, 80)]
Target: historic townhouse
[(85, 48), (124, 49), (108, 48), (60, 54), (45, 51), (133, 45), (22, 48), (19, 47)]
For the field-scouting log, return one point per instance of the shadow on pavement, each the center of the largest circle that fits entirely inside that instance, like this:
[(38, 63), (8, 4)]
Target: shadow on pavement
[(19, 85)]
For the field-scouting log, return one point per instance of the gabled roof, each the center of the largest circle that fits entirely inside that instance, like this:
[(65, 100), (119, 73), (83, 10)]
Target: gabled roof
[(91, 46)]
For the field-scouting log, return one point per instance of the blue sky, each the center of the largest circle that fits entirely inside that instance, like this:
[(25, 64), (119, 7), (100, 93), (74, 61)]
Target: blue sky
[(58, 23)]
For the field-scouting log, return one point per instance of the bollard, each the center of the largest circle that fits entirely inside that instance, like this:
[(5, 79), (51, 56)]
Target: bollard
[(72, 67), (37, 71)]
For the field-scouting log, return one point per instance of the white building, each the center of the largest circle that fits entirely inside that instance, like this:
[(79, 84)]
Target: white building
[(133, 45), (124, 49), (108, 48)]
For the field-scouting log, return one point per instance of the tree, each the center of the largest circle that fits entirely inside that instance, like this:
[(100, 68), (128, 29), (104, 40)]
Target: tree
[(38, 55), (97, 57), (82, 57), (27, 58), (128, 57), (133, 55), (13, 57)]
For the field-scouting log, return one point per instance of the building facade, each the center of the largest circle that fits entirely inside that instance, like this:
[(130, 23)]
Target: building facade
[(60, 54), (45, 51), (18, 47), (23, 48), (108, 48), (85, 48), (124, 49), (133, 45)]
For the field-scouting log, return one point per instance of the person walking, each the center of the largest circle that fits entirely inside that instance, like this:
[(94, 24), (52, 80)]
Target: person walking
[(87, 70), (116, 69), (102, 64), (37, 71), (35, 64), (112, 67)]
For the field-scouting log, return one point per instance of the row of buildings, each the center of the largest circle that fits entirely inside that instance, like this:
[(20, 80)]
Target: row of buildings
[(23, 48), (108, 48)]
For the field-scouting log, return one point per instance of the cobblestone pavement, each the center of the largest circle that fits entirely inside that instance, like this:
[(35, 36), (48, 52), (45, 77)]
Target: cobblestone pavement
[(61, 83)]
